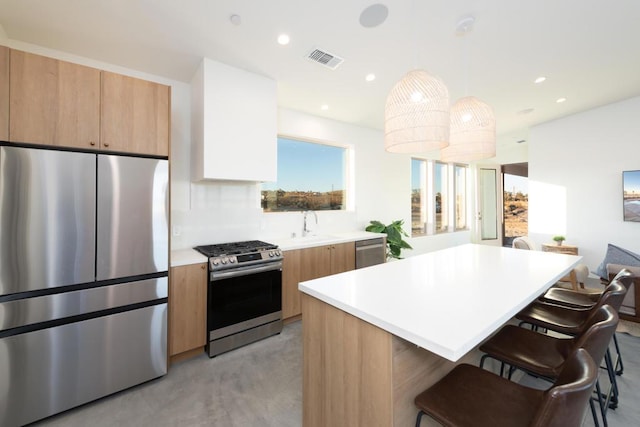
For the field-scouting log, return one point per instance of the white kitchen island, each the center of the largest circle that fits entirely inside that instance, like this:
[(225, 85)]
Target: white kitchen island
[(376, 337)]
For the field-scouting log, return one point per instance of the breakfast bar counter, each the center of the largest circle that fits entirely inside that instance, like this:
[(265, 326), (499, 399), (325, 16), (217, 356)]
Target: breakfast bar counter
[(376, 337)]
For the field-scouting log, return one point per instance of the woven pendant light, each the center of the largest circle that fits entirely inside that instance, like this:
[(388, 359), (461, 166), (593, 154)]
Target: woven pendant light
[(473, 132), (416, 114)]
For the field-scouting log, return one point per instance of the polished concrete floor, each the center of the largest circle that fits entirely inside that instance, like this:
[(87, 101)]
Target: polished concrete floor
[(261, 385)]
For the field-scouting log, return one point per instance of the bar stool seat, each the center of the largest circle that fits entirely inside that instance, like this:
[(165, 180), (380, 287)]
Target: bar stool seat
[(583, 298), (567, 320), (470, 396)]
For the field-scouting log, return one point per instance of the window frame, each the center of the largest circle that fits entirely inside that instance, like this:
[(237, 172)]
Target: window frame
[(448, 191)]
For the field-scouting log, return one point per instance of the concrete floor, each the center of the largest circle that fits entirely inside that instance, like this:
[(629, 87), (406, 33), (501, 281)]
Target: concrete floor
[(256, 385), (261, 385)]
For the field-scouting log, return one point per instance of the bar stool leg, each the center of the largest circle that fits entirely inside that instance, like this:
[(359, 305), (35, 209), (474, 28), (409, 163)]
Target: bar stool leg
[(619, 366), (603, 407), (419, 418), (612, 379)]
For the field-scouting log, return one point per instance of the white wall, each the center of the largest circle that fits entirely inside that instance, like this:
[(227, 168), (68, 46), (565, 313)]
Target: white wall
[(575, 179)]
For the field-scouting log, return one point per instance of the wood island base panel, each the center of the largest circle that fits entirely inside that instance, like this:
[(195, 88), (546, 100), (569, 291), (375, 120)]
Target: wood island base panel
[(356, 374)]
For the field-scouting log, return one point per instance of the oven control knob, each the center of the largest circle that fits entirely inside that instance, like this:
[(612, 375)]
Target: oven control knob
[(271, 254), (224, 260), (215, 262), (232, 260), (278, 253)]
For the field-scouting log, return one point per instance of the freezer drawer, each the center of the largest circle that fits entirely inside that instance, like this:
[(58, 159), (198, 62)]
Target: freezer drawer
[(32, 311), (52, 370)]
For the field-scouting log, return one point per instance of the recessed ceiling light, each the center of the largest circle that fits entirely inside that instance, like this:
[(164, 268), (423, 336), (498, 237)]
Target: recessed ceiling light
[(374, 15), (561, 100), (370, 77), (235, 19), (283, 39), (540, 79), (324, 107)]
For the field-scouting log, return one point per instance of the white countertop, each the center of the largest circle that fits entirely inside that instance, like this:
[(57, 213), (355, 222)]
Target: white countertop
[(181, 257), (186, 257), (323, 239), (446, 301)]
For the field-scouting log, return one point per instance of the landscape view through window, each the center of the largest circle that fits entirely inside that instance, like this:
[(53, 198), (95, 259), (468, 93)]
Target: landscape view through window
[(310, 177), (516, 207)]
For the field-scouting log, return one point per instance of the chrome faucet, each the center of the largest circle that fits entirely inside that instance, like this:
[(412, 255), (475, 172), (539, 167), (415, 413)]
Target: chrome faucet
[(304, 226)]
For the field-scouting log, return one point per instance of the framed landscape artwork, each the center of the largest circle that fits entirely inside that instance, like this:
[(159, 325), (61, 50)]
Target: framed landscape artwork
[(631, 195)]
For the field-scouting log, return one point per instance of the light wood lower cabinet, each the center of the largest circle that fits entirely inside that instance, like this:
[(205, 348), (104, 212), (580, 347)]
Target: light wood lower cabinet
[(312, 263), (187, 309), (4, 93), (357, 374)]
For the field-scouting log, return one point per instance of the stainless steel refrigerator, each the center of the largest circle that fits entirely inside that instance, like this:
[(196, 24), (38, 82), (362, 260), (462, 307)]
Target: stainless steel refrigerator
[(83, 277)]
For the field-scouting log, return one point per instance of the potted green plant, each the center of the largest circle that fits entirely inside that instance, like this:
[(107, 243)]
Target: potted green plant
[(394, 232), (559, 240)]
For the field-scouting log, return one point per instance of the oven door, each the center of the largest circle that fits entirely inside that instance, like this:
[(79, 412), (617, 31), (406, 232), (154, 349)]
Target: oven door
[(242, 294)]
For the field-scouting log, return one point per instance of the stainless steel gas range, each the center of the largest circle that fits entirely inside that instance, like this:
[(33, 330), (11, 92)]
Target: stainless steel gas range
[(244, 296)]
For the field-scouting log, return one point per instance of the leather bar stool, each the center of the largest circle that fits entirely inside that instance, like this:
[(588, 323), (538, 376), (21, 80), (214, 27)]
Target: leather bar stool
[(470, 396), (566, 320), (583, 299), (544, 355), (588, 299), (572, 321)]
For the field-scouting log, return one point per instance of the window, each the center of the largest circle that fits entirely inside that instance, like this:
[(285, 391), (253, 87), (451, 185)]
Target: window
[(460, 183), (439, 197), (418, 197), (441, 194), (310, 176)]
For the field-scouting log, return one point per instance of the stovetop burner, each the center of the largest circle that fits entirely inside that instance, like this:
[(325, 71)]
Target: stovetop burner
[(234, 248)]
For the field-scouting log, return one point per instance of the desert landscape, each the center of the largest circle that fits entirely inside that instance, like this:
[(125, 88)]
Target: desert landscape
[(516, 210)]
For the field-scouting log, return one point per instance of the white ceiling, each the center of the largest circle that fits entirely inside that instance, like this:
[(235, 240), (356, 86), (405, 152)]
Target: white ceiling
[(588, 49)]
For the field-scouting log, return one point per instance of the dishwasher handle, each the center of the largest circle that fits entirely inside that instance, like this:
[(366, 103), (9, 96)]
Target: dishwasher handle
[(370, 243)]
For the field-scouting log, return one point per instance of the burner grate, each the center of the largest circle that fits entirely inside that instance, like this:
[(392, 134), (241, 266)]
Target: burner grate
[(234, 248)]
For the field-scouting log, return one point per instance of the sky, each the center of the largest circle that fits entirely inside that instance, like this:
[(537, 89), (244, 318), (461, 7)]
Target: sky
[(515, 183), (631, 181), (305, 166)]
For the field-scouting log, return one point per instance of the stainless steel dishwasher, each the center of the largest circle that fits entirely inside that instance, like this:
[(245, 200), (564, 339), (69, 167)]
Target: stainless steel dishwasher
[(370, 252)]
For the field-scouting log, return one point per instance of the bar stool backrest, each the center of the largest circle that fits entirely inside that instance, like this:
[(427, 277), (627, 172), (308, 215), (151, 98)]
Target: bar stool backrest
[(564, 404), (612, 295), (597, 336)]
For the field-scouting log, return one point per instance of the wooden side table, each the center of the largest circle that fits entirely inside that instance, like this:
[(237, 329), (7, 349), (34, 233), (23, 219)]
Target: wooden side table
[(567, 250), (561, 249)]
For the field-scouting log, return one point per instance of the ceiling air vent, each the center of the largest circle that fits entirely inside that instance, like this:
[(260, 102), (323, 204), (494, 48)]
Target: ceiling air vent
[(327, 59)]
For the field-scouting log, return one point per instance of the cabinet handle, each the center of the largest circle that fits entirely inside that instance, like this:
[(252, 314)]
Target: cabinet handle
[(92, 143), (203, 267), (106, 144)]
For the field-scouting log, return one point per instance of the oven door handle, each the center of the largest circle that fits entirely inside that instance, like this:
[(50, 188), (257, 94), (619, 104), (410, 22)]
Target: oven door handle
[(245, 272)]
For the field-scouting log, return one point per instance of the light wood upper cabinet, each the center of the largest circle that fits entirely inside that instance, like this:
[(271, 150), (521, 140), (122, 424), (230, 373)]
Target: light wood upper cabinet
[(135, 115), (187, 308), (53, 102), (4, 93), (312, 263)]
